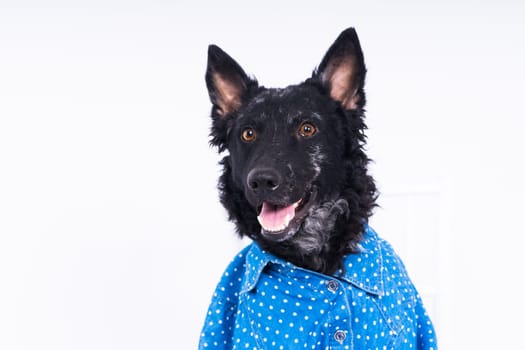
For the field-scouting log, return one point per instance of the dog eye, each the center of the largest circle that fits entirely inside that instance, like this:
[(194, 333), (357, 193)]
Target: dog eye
[(307, 129), (248, 135)]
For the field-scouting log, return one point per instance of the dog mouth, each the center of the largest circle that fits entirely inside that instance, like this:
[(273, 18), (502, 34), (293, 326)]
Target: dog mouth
[(280, 222)]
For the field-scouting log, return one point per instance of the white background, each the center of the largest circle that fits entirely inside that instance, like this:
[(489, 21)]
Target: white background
[(111, 235)]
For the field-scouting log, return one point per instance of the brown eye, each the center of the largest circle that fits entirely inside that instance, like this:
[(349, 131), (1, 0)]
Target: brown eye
[(307, 129), (248, 135)]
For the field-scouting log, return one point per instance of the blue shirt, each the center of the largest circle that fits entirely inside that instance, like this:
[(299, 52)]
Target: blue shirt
[(264, 302)]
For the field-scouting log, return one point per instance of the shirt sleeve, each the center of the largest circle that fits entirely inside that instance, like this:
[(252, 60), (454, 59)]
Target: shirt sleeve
[(218, 329), (217, 332), (426, 335)]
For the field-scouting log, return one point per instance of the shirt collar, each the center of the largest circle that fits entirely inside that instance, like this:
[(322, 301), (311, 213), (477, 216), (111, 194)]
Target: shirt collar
[(363, 269)]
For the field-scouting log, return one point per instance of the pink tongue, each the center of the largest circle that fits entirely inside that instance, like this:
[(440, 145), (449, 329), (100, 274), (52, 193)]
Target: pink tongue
[(273, 218)]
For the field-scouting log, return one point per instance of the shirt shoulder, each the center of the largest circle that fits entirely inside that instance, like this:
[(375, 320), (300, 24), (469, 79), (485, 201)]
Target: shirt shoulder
[(232, 278), (377, 268), (391, 261), (217, 330)]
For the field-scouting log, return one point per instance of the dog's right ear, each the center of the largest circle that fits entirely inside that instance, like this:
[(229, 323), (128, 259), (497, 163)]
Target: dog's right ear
[(227, 83)]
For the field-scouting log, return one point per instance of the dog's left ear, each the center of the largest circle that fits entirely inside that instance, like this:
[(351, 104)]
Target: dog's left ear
[(342, 71)]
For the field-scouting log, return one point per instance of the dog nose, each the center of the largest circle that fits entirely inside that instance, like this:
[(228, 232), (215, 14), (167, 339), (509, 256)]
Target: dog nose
[(263, 180)]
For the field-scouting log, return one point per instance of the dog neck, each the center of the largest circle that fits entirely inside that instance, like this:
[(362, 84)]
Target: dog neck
[(323, 240)]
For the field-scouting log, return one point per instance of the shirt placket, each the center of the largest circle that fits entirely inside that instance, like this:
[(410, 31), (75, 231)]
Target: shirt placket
[(338, 327)]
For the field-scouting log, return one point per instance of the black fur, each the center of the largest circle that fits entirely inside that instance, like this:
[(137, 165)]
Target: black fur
[(327, 171)]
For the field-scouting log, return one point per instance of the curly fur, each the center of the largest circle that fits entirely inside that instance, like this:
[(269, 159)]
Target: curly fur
[(334, 229)]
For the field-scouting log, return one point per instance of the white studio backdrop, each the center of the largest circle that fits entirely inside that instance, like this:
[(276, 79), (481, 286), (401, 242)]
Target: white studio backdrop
[(111, 234)]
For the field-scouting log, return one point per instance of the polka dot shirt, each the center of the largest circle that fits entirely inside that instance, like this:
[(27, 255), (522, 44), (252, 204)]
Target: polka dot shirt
[(263, 302)]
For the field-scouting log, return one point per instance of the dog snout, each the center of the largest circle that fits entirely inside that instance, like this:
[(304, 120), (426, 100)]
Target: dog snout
[(263, 180)]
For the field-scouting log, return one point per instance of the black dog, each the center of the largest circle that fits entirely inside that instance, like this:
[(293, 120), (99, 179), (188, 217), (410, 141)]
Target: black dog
[(295, 181), (296, 178)]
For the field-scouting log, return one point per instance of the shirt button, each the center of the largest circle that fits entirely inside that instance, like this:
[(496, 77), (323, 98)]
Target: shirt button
[(340, 336), (332, 286)]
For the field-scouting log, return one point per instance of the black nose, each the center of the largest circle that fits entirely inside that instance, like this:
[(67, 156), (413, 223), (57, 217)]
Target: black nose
[(261, 180)]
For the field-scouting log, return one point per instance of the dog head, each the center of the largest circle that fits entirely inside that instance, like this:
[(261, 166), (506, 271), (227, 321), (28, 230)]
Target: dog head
[(295, 177)]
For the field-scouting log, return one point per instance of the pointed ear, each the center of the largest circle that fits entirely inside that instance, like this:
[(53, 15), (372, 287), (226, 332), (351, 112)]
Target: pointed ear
[(226, 81), (342, 71)]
